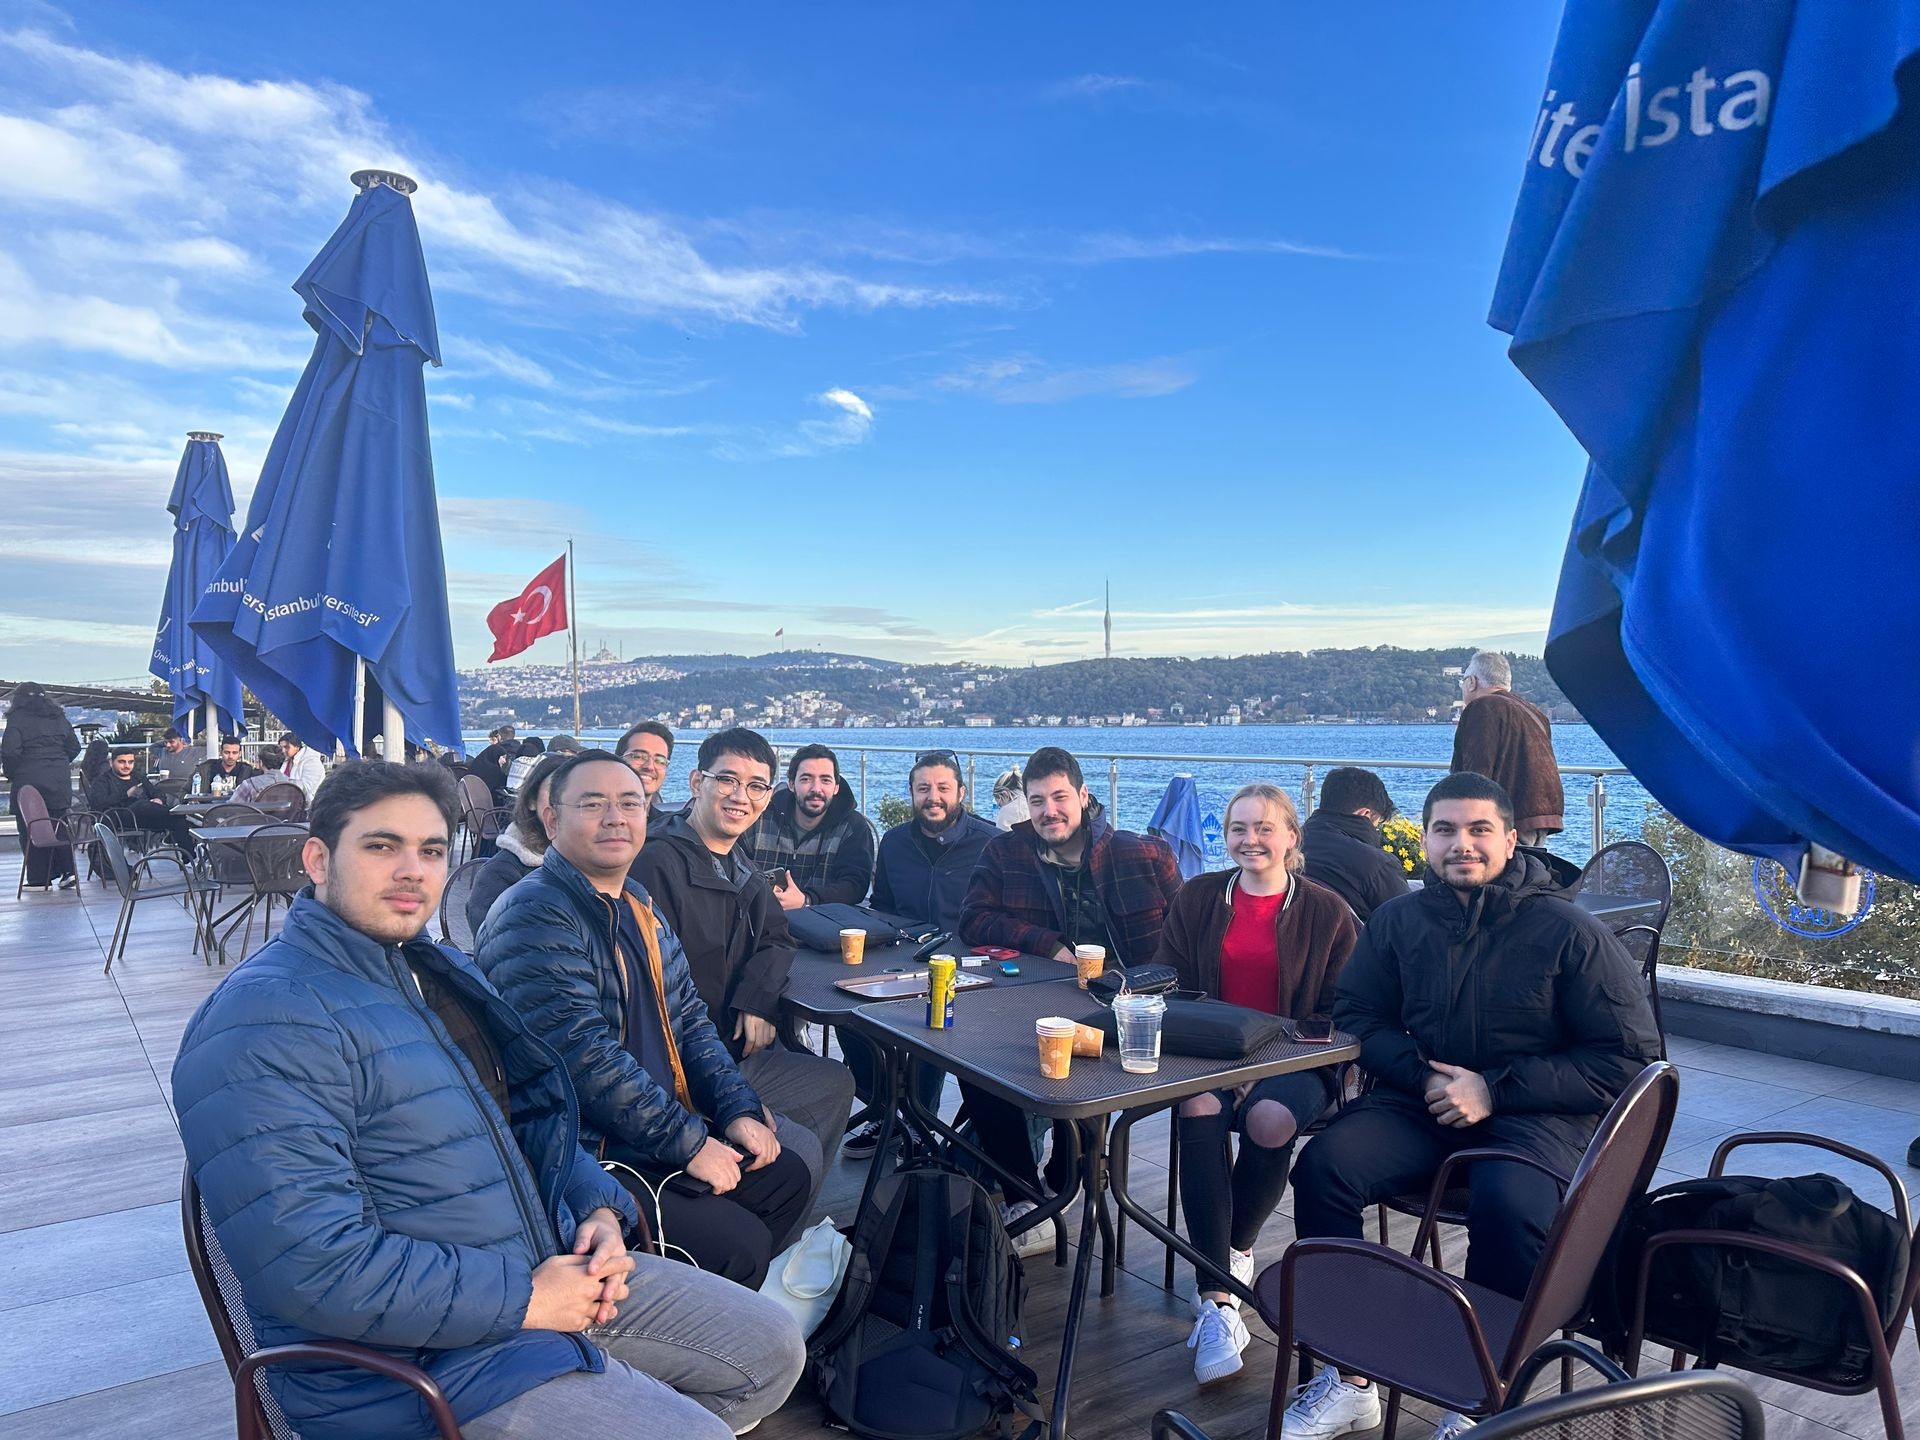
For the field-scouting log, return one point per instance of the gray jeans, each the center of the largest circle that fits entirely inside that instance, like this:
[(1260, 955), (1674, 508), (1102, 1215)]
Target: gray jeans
[(690, 1355), (813, 1092)]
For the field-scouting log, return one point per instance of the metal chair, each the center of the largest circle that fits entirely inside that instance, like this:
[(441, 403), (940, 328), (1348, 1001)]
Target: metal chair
[(481, 821), (1633, 870), (1642, 942), (283, 801), (1884, 1334), (1701, 1405), (135, 881), (454, 928), (275, 871), (42, 831), (1414, 1328), (257, 1414)]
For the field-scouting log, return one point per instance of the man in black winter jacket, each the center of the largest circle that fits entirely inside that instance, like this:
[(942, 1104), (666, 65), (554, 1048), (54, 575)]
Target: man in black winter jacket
[(1491, 1010), (576, 948), (735, 933), (1341, 841), (813, 830)]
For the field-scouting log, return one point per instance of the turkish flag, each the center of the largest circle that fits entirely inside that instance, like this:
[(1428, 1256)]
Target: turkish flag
[(538, 610)]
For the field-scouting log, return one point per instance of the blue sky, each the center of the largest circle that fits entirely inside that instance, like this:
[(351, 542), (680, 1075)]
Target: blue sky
[(901, 327)]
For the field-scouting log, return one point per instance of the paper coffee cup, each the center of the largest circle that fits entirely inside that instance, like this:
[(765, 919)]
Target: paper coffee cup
[(1088, 961), (853, 946), (1055, 1033), (1088, 1041)]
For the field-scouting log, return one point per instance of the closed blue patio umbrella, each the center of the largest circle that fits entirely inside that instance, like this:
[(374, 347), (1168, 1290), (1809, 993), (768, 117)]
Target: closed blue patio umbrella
[(1176, 820), (202, 508), (336, 590), (1710, 276)]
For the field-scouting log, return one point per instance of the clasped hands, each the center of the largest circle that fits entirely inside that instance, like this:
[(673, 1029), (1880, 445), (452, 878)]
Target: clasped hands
[(1457, 1096)]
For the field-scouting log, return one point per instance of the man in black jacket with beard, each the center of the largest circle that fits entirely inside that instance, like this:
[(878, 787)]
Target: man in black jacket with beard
[(815, 832), (1341, 841), (1492, 1012)]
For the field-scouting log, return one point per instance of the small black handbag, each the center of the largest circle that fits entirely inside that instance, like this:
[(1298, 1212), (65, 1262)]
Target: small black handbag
[(1209, 1029)]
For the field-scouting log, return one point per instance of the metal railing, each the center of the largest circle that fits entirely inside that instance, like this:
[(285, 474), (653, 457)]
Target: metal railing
[(1596, 775)]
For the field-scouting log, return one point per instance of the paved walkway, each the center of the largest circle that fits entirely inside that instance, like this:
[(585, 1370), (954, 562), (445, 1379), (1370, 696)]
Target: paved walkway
[(103, 1331)]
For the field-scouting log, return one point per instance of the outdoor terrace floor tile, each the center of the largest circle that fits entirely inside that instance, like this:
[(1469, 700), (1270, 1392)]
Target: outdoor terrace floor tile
[(191, 1404), (109, 1335), (87, 1165), (42, 1263)]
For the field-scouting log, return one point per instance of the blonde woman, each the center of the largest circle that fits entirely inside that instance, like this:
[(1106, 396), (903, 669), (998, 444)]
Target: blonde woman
[(1261, 935)]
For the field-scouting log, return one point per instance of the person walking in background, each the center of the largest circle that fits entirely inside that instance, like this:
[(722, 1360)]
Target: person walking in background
[(38, 750), (1341, 840), (1510, 741)]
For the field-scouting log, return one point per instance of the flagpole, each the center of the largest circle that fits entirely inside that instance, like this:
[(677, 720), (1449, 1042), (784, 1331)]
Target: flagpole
[(573, 635)]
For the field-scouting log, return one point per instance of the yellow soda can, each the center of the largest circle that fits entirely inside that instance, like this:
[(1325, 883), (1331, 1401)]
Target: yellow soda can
[(940, 973)]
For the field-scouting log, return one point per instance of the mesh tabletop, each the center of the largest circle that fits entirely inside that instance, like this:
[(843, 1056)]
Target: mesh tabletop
[(992, 1043), (810, 992), (217, 834)]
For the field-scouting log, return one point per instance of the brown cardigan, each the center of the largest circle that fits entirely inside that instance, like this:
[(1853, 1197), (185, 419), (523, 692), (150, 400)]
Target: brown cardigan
[(1316, 933), (1510, 741)]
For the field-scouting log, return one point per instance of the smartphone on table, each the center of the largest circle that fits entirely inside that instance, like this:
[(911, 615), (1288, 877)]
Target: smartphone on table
[(1313, 1032)]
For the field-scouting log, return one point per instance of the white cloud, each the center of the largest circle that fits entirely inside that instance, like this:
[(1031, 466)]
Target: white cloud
[(1092, 86), (1023, 379), (849, 422)]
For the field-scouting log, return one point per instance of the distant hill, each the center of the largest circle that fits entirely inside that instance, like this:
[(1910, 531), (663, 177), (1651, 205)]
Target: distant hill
[(801, 688)]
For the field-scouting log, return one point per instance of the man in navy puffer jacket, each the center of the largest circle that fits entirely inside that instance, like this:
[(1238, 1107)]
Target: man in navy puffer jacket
[(390, 1157), (576, 948)]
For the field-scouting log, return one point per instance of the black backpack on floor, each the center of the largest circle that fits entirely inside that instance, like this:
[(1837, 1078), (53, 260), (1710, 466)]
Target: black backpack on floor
[(920, 1343), (1741, 1305)]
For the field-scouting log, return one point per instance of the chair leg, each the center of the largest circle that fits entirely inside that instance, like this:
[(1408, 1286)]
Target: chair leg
[(1392, 1418), (121, 928), (1890, 1406)]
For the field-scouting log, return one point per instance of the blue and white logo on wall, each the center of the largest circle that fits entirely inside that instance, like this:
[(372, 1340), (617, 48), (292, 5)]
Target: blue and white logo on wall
[(1773, 888)]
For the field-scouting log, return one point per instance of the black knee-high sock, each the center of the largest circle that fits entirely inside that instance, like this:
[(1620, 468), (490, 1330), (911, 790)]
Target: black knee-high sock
[(1205, 1183), (1259, 1180)]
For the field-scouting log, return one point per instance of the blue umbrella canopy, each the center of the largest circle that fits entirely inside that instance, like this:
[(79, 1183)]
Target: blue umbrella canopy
[(1176, 820), (202, 508), (1710, 278), (340, 559)]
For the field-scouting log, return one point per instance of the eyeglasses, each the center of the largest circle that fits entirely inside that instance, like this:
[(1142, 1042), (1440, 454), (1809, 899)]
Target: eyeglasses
[(628, 808), (938, 757), (728, 783), (644, 757)]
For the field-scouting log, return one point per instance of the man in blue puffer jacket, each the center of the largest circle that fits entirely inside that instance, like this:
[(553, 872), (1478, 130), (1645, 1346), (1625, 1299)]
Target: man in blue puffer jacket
[(576, 948), (390, 1157)]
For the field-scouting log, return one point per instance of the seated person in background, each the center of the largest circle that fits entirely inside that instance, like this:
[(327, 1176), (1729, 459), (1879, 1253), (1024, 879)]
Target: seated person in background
[(127, 802), (1263, 936), (562, 745), (1342, 841), (531, 749), (265, 773), (1009, 800), (301, 765), (736, 939), (225, 775), (1491, 1011), (389, 1157), (813, 830), (170, 758), (575, 948), (491, 763), (924, 865), (519, 848), (647, 747), (1063, 877)]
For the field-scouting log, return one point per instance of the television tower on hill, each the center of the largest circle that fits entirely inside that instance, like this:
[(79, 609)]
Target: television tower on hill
[(1106, 620)]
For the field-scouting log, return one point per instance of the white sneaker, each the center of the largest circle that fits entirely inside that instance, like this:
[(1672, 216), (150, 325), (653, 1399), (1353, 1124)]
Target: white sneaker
[(1327, 1406), (1038, 1240), (1451, 1424), (1240, 1266), (1219, 1335)]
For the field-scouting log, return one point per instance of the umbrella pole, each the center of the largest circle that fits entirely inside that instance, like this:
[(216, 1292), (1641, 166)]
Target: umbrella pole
[(358, 738), (393, 734), (210, 722)]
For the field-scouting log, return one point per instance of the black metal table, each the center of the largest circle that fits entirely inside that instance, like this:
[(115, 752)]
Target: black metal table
[(1618, 912), (811, 995), (992, 1044)]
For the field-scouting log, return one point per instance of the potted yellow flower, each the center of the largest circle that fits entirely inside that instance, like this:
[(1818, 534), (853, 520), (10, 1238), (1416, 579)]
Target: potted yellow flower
[(1400, 838)]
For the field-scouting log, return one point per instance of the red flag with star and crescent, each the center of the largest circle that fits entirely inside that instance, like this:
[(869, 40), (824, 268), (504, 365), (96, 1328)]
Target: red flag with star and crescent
[(540, 609)]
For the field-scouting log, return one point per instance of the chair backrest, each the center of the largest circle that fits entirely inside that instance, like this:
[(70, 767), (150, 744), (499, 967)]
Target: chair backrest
[(118, 865), (220, 1294), (235, 812), (33, 815), (1689, 1405), (1633, 870), (1614, 1172), (454, 928), (285, 799), (475, 801), (273, 859)]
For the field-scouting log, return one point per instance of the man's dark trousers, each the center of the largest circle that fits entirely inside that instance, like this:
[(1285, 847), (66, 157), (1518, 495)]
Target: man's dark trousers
[(1386, 1144)]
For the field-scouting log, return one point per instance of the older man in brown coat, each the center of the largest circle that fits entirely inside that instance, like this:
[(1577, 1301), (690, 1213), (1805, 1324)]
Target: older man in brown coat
[(1510, 741)]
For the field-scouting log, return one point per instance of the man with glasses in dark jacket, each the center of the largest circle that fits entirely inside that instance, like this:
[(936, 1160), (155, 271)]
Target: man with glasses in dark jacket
[(736, 939), (1491, 1011), (576, 948), (389, 1156)]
